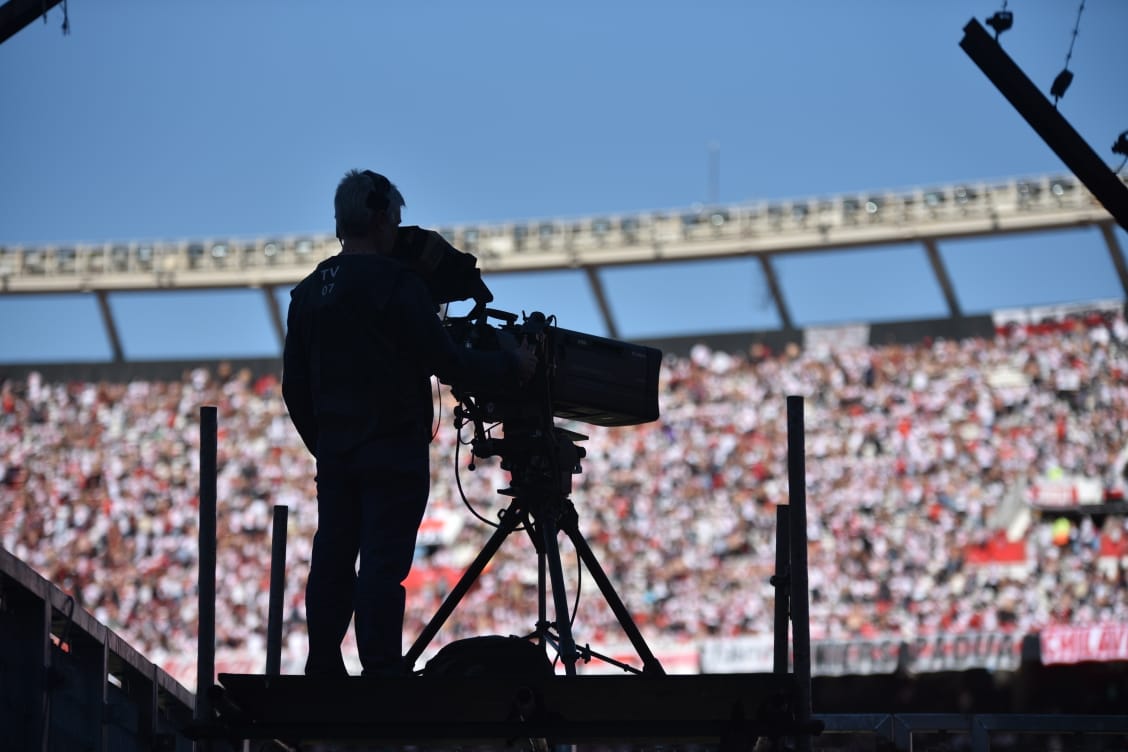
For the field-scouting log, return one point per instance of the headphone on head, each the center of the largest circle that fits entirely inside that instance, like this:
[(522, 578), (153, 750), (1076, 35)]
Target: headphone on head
[(378, 195)]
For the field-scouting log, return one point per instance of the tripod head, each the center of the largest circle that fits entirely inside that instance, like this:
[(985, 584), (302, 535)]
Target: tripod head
[(540, 463), (540, 456)]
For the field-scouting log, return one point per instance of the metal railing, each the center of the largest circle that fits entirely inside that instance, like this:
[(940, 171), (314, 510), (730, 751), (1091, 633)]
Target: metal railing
[(74, 683)]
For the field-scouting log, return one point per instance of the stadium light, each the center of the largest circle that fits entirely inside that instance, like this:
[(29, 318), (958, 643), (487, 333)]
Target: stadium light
[(520, 233), (629, 227), (1061, 186)]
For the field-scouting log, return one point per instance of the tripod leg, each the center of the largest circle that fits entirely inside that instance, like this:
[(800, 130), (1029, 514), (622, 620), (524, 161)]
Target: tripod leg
[(542, 589), (509, 521), (560, 598), (650, 664)]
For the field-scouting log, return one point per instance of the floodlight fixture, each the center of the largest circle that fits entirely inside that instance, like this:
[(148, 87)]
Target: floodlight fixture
[(1121, 145), (1001, 21), (1060, 84)]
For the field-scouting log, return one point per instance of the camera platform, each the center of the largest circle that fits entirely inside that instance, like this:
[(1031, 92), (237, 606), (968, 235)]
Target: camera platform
[(728, 709)]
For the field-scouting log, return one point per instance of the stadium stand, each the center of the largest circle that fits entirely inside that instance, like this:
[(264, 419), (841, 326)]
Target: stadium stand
[(966, 497)]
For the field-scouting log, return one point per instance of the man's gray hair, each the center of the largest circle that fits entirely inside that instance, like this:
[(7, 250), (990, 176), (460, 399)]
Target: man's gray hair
[(351, 206)]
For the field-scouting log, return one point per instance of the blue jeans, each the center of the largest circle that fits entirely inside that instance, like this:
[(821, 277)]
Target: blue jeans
[(370, 501)]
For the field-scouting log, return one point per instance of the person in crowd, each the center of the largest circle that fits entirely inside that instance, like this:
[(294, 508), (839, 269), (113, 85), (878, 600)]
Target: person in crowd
[(915, 451)]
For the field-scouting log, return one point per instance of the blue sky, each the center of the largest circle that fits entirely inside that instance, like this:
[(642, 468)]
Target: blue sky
[(208, 119)]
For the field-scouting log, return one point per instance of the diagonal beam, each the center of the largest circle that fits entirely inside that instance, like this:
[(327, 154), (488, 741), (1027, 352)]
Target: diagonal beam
[(16, 14), (277, 321), (600, 294), (940, 270), (110, 325), (770, 277), (1117, 255), (1047, 122)]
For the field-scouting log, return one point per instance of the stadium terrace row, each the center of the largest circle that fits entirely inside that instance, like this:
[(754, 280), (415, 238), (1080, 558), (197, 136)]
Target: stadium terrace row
[(925, 467)]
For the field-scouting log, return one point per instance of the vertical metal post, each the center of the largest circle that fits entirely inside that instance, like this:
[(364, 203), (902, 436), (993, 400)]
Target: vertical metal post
[(781, 582), (205, 655), (800, 612), (277, 591)]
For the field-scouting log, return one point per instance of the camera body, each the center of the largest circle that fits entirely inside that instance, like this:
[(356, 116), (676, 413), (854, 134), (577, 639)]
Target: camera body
[(580, 377)]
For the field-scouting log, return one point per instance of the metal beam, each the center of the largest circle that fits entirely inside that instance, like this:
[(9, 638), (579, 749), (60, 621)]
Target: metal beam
[(276, 318), (777, 292), (942, 277), (601, 300), (110, 325), (1047, 122), (1113, 244), (16, 14)]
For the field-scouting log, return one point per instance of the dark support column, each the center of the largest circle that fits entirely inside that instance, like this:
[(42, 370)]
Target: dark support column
[(800, 611), (942, 277), (110, 325), (777, 292), (276, 319), (205, 662), (277, 591), (601, 300), (781, 582), (1114, 250)]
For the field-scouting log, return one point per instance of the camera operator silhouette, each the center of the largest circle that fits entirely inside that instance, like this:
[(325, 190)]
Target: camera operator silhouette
[(362, 341)]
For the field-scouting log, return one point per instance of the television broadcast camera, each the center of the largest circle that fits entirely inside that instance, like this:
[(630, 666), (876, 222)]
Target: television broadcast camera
[(580, 376)]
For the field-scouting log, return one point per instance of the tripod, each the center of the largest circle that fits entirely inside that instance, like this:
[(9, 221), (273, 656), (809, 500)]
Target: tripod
[(541, 465)]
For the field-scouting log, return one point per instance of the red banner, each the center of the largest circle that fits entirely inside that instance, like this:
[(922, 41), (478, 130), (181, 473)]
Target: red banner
[(1098, 642)]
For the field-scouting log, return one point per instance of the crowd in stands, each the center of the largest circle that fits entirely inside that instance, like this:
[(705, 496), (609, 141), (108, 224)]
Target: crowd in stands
[(915, 454)]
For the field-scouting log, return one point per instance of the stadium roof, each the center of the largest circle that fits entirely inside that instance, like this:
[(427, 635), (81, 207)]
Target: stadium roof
[(595, 258)]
